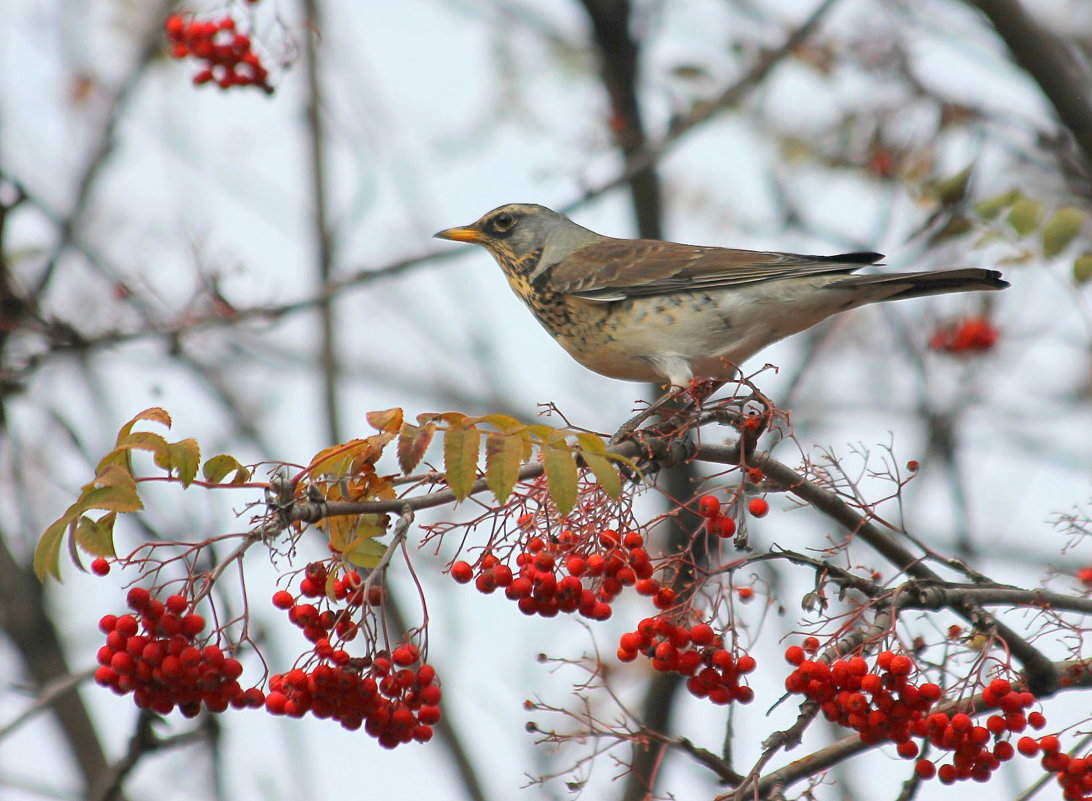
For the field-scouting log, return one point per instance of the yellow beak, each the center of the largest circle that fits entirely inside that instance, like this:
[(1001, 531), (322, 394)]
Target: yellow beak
[(462, 234)]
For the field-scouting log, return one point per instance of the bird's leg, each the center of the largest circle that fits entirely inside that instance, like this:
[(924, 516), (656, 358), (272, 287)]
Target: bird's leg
[(693, 394)]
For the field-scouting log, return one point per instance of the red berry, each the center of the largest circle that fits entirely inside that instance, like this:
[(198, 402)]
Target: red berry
[(192, 625), (745, 594), (1036, 720), (138, 598), (461, 572), (708, 506), (907, 749), (745, 663), (925, 769), (702, 634), (99, 566), (1027, 746), (758, 507), (811, 644), (794, 654), (664, 599), (726, 527), (282, 599)]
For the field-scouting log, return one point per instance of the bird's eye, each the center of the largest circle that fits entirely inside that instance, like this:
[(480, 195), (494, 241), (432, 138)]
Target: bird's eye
[(503, 221)]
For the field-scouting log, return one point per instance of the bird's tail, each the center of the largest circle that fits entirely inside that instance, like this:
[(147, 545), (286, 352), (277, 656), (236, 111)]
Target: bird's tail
[(916, 285)]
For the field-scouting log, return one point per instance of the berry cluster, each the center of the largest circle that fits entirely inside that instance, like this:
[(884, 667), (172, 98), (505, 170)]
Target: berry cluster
[(391, 695), (318, 624), (970, 335), (722, 525), (164, 667), (227, 54), (695, 651), (881, 705), (884, 705), (972, 758), (569, 575), (1074, 773)]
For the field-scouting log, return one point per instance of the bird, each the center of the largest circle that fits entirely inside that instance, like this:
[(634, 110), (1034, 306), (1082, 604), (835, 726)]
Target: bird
[(657, 311)]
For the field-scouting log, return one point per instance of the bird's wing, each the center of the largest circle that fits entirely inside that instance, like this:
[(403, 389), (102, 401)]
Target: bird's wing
[(614, 269)]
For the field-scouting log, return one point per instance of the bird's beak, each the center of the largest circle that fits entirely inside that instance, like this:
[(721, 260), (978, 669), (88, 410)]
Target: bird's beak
[(463, 234)]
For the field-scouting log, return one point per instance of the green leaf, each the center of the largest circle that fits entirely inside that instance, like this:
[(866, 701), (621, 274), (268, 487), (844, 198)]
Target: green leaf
[(561, 476), (1024, 216), (990, 208), (96, 537), (606, 473), (1082, 268), (461, 445), (113, 490), (956, 226), (47, 554), (1061, 229), (216, 468), (184, 457), (354, 537), (413, 441), (367, 553), (503, 458), (953, 190)]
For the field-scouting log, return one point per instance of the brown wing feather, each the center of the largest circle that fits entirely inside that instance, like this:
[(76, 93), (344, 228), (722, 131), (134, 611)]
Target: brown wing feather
[(618, 268)]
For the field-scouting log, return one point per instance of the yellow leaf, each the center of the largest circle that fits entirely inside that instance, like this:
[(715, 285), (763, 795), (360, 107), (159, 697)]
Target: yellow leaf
[(956, 226), (502, 422), (503, 457), (113, 490), (1024, 216), (389, 420), (952, 190), (561, 476), (605, 473), (184, 458), (1062, 228), (154, 415), (413, 441), (461, 459), (367, 554), (353, 536), (1082, 268), (47, 554), (991, 207), (217, 468), (96, 537)]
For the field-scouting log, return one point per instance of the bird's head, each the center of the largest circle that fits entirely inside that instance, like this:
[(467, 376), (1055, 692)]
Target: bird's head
[(522, 236)]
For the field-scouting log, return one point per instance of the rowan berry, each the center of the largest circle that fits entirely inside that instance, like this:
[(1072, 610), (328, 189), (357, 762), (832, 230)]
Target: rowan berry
[(758, 507), (708, 506), (462, 572), (726, 527), (99, 566)]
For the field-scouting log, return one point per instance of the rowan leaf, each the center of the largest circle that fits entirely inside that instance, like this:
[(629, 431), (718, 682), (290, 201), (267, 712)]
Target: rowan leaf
[(561, 475), (461, 444), (413, 441), (606, 473), (1082, 268), (47, 553), (113, 490), (1062, 228), (991, 207), (952, 190), (1025, 215), (389, 420), (503, 422), (96, 537), (353, 536), (183, 458), (153, 415), (503, 459), (216, 469)]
